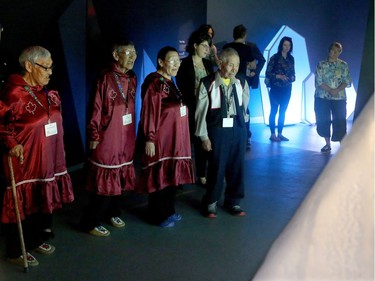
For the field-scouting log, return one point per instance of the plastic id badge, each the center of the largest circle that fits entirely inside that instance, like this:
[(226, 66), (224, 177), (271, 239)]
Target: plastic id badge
[(227, 122), (126, 119), (50, 129), (183, 110)]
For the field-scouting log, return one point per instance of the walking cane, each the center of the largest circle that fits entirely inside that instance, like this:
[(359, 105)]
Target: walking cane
[(20, 232)]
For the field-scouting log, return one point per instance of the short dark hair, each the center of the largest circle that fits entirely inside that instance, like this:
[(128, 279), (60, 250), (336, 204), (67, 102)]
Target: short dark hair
[(239, 31), (163, 53), (197, 37), (206, 27)]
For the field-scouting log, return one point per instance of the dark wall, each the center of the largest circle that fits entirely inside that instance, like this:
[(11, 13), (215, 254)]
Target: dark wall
[(37, 22)]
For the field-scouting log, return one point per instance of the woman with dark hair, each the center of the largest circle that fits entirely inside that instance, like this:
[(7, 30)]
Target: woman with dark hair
[(332, 76), (164, 133), (209, 30), (192, 69), (280, 75)]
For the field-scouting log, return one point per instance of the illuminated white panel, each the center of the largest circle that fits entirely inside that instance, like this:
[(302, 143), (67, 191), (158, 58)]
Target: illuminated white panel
[(302, 68)]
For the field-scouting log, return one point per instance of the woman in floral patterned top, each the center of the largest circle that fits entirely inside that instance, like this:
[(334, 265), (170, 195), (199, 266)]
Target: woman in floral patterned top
[(280, 75), (332, 76)]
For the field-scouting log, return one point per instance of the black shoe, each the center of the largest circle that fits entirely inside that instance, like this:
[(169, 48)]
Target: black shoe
[(282, 138), (326, 149), (236, 211)]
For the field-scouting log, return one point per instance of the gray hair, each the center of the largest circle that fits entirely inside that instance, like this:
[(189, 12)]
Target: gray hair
[(226, 53), (32, 54)]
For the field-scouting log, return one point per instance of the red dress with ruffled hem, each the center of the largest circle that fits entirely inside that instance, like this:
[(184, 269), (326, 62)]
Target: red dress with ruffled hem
[(110, 167), (42, 181), (164, 123)]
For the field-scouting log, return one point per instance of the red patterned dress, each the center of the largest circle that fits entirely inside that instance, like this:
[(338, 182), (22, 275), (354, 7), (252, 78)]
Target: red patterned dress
[(164, 121), (111, 167), (42, 181)]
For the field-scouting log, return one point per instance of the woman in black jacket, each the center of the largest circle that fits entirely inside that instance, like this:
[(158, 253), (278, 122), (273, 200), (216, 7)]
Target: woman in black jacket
[(192, 69)]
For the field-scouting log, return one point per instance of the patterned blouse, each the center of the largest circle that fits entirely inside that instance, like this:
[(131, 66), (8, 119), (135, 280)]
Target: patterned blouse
[(280, 65), (333, 74)]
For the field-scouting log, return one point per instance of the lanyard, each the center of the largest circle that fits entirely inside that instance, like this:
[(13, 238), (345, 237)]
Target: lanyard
[(229, 100), (124, 97), (27, 88)]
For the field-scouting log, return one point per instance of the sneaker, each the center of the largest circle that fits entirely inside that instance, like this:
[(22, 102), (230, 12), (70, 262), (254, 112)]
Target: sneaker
[(45, 249), (326, 148), (175, 217), (100, 231), (274, 138), (117, 222), (31, 260), (237, 211), (211, 211), (282, 138), (167, 223)]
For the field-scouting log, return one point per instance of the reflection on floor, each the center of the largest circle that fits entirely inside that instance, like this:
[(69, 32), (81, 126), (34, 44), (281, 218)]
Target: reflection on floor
[(278, 177)]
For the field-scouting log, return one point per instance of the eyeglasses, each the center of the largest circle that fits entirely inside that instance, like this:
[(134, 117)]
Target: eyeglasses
[(44, 67), (174, 61), (128, 53), (204, 46)]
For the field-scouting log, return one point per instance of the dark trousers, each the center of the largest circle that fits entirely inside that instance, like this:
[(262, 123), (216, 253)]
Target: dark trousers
[(279, 100), (100, 208), (327, 112), (227, 160), (200, 158), (161, 204), (33, 234)]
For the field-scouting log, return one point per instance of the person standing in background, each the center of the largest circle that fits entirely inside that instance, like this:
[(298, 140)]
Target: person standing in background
[(192, 69), (164, 135), (332, 76), (280, 75), (213, 56), (247, 65), (111, 135)]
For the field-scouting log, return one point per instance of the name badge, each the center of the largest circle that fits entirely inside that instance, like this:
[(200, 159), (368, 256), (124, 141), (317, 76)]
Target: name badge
[(183, 110), (50, 129), (126, 119), (227, 122)]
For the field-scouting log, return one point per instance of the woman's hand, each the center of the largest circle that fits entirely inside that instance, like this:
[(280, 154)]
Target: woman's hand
[(150, 149), (93, 144), (282, 77), (17, 151)]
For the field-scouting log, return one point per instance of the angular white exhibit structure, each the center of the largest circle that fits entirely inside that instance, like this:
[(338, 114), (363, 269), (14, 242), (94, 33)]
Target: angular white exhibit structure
[(331, 236), (301, 105)]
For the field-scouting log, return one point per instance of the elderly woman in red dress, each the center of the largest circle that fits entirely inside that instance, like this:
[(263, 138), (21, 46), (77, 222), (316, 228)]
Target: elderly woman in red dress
[(164, 128), (111, 134), (33, 133)]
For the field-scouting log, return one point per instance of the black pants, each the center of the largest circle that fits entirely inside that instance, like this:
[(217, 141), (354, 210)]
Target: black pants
[(101, 208), (279, 100), (324, 109), (161, 204), (227, 160), (200, 158), (33, 234)]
